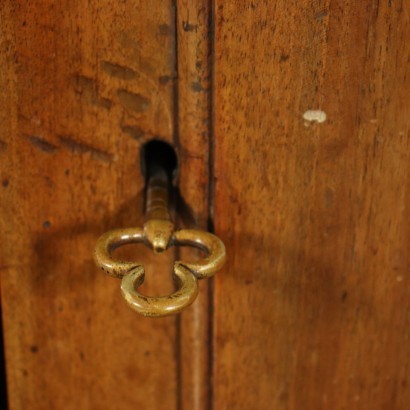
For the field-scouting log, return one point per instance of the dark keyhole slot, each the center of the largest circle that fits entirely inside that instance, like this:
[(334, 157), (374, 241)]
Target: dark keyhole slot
[(158, 155)]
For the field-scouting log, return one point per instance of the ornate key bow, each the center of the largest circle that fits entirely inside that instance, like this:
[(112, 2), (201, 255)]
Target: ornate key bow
[(158, 234)]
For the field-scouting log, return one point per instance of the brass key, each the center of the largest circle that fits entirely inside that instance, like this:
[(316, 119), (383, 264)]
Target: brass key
[(158, 234)]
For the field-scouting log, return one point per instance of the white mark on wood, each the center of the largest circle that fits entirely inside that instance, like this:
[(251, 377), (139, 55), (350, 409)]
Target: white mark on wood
[(315, 116)]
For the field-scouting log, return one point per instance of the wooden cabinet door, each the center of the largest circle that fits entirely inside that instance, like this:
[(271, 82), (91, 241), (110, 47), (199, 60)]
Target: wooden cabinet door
[(291, 124), (84, 85), (311, 134)]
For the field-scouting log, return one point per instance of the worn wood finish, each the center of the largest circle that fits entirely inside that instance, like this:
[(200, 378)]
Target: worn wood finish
[(194, 114), (312, 311), (83, 85)]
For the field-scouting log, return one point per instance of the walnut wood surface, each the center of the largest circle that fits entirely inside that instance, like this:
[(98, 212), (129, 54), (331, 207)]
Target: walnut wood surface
[(84, 84), (194, 115), (312, 310)]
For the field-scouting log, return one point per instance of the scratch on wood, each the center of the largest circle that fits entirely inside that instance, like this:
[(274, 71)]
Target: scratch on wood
[(3, 145), (165, 79), (196, 87), (42, 144), (165, 29), (187, 153), (189, 27), (133, 101), (321, 15), (83, 148), (135, 132), (118, 71), (88, 88)]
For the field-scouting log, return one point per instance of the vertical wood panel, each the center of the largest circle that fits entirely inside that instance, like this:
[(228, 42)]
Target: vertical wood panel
[(194, 109), (312, 311), (83, 85)]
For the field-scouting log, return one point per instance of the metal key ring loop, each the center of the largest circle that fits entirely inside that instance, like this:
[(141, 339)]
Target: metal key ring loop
[(158, 234), (161, 305), (132, 273)]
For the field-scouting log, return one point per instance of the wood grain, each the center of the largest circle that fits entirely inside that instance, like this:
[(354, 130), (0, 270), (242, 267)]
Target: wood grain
[(84, 84), (312, 311), (194, 116)]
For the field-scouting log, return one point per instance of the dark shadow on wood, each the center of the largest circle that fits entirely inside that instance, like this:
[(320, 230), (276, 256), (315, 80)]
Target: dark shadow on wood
[(3, 383)]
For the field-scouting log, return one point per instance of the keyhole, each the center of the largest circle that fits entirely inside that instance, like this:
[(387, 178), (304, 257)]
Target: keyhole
[(159, 156), (156, 154)]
